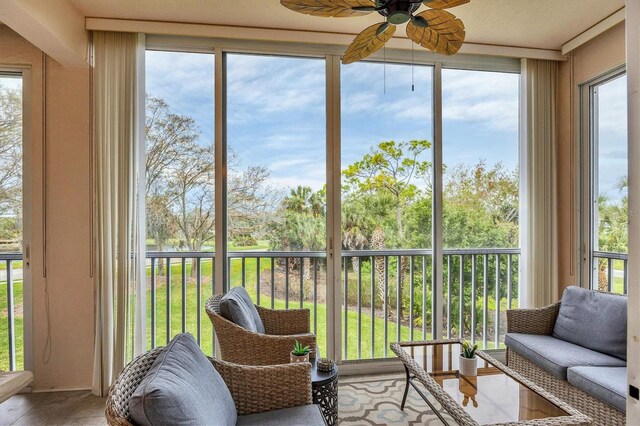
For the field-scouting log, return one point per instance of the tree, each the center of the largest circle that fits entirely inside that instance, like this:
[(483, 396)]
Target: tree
[(480, 206), (169, 137), (11, 164), (390, 168), (300, 223), (249, 199), (180, 196)]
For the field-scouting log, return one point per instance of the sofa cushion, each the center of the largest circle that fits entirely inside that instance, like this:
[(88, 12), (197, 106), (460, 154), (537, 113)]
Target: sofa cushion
[(304, 415), (237, 307), (182, 388), (594, 320), (555, 355), (608, 384)]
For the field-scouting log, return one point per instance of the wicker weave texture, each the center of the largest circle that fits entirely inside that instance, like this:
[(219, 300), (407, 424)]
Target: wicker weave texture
[(533, 321), (458, 412), (256, 389), (241, 346), (285, 322), (602, 414), (117, 406)]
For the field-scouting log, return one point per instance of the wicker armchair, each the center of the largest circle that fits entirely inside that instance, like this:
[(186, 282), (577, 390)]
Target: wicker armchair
[(282, 329), (254, 389), (542, 321)]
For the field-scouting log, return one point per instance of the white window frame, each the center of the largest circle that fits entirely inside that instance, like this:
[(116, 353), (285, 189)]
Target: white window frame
[(588, 146), (331, 54), (27, 158)]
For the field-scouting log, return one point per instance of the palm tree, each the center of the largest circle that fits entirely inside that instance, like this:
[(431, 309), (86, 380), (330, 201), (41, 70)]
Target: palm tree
[(354, 228)]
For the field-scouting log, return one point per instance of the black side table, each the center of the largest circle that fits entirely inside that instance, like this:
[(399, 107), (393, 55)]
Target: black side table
[(324, 389)]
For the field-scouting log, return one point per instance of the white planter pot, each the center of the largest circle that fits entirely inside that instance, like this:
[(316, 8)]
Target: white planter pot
[(468, 366), (299, 358)]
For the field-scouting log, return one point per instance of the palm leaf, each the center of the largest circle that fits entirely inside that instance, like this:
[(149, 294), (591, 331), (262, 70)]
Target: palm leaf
[(368, 41), (335, 8), (444, 4), (437, 30)]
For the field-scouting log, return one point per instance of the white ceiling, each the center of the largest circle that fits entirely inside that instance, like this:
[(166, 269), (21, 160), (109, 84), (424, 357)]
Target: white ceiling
[(543, 24)]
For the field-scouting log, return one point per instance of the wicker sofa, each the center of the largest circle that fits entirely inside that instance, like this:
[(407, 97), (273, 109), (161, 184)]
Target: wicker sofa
[(282, 329), (575, 349), (265, 395)]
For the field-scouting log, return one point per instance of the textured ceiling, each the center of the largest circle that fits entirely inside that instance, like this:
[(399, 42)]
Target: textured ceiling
[(544, 24)]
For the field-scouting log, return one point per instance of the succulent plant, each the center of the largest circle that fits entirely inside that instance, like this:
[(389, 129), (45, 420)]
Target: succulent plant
[(299, 350), (468, 351)]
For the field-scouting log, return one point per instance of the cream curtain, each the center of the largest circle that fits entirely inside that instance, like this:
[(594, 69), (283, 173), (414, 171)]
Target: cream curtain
[(118, 93), (538, 186)]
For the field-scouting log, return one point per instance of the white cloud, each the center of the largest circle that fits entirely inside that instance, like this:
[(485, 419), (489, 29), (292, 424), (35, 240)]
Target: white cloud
[(266, 85), (488, 99), (301, 170), (612, 110)]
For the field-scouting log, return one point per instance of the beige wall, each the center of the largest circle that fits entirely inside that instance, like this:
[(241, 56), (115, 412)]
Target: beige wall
[(68, 244), (587, 62), (68, 196)]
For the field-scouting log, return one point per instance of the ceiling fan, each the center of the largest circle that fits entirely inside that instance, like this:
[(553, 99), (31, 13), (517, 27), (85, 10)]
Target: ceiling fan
[(434, 29)]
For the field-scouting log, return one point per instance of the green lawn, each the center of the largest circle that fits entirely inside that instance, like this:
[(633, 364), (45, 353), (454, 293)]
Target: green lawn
[(4, 327), (192, 307), (191, 323)]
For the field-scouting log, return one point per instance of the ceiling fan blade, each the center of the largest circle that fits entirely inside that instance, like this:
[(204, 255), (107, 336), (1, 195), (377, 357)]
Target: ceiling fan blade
[(335, 8), (368, 41), (437, 30), (444, 4)]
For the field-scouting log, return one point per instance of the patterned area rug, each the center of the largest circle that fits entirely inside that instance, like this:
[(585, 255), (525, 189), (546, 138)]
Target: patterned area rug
[(376, 401)]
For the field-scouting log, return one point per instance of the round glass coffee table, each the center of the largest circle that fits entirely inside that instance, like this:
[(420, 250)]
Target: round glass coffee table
[(324, 389)]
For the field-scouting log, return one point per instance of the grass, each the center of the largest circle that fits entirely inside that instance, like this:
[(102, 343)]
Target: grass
[(191, 317), (367, 324)]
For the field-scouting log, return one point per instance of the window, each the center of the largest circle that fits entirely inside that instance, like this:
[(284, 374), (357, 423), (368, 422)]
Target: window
[(606, 177), (387, 142), (276, 197), (277, 122), (480, 197), (11, 237), (180, 194)]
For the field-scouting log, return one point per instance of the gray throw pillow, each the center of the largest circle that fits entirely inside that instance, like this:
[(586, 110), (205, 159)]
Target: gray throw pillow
[(593, 320), (182, 388), (237, 307)]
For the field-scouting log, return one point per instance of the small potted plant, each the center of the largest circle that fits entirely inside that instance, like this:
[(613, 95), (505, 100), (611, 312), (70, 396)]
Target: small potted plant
[(300, 353), (468, 361)]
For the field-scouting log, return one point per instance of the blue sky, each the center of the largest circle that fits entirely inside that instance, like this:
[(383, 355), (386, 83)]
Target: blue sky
[(276, 110), (612, 137)]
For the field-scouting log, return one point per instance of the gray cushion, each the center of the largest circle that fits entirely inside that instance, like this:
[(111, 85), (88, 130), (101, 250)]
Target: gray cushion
[(594, 320), (182, 388), (555, 355), (295, 416), (237, 307), (608, 384)]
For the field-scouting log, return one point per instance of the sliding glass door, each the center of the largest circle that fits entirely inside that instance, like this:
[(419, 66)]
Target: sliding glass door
[(480, 203), (244, 170), (12, 302), (387, 142), (180, 208), (605, 175), (276, 182)]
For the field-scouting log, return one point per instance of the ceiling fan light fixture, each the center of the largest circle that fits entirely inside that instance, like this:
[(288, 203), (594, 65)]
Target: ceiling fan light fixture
[(398, 17)]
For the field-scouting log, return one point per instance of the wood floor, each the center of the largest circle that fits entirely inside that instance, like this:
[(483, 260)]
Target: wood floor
[(53, 408)]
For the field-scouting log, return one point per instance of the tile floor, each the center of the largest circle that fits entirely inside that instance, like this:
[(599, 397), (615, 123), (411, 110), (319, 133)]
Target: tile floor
[(53, 408)]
